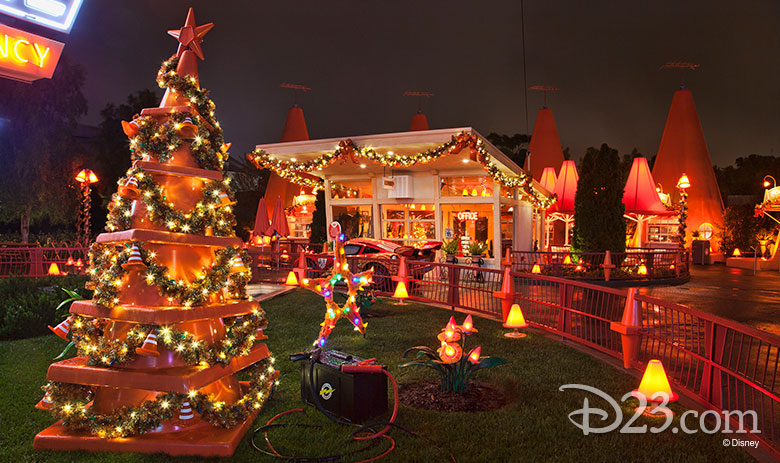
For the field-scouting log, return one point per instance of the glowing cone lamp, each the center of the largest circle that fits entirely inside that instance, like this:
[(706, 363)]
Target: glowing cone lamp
[(54, 269), (400, 293), (536, 269), (474, 355), (70, 261), (292, 280), (567, 259), (515, 321), (654, 381), (737, 252), (642, 270)]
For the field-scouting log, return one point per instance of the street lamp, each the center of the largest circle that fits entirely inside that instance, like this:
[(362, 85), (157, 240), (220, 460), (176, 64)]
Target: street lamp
[(86, 178), (766, 181), (683, 184)]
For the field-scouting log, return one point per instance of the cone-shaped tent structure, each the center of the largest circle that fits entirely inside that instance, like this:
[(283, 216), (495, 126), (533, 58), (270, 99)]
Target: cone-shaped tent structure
[(278, 220), (640, 196), (261, 219), (545, 146), (548, 179), (684, 150), (566, 188), (295, 126), (419, 122), (294, 130), (641, 199)]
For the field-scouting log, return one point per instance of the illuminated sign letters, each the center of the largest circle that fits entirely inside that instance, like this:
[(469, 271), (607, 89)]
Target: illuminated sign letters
[(52, 14), (468, 215), (27, 57)]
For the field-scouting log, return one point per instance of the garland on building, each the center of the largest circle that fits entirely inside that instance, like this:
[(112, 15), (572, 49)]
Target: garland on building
[(209, 214), (70, 403), (240, 337), (290, 170), (106, 274)]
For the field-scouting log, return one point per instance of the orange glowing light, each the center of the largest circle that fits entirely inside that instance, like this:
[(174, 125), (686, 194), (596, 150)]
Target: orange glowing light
[(54, 269), (766, 183), (567, 259), (468, 325), (474, 355), (400, 291), (465, 192), (79, 263), (654, 381), (642, 270), (736, 252), (515, 321), (683, 183), (70, 261), (292, 279), (536, 269), (450, 353), (474, 192), (86, 176)]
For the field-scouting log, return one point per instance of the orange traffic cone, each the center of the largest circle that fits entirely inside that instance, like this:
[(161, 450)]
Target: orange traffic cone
[(149, 348), (224, 148), (224, 200), (238, 265), (292, 280), (63, 328), (186, 413), (131, 128), (186, 128), (134, 261), (130, 188), (45, 403)]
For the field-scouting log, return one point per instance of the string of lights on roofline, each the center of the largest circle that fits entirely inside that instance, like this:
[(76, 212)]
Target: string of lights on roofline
[(292, 170)]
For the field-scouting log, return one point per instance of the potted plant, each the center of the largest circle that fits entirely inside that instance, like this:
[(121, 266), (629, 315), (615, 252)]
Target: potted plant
[(450, 248), (477, 249)]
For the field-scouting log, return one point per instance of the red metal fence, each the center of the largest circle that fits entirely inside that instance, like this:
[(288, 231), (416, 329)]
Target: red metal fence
[(634, 264), (34, 261)]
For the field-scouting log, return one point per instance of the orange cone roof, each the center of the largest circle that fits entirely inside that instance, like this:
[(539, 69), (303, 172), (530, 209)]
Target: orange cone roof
[(545, 146), (640, 195), (295, 126), (566, 188), (419, 122), (548, 179), (684, 150)]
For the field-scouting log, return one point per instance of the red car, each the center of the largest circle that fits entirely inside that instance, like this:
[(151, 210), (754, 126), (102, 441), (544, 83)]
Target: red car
[(386, 254)]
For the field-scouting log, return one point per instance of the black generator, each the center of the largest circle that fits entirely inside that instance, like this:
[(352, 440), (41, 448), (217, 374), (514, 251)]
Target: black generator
[(352, 396)]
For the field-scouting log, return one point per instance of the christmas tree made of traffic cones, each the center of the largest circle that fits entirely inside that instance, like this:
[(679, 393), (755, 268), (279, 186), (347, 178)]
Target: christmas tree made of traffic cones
[(170, 325)]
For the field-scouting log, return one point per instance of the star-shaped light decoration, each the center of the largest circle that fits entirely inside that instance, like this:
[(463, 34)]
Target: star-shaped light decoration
[(324, 287), (190, 36)]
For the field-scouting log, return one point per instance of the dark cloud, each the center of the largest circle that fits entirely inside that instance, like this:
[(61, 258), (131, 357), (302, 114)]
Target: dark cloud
[(359, 57)]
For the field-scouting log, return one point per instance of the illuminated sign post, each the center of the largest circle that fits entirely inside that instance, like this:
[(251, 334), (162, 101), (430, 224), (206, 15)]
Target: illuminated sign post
[(467, 216), (52, 14), (27, 57)]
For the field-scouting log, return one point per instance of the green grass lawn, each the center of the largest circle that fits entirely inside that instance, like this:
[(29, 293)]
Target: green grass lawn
[(533, 427)]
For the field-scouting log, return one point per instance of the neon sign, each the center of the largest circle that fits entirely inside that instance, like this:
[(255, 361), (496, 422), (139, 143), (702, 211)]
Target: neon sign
[(52, 14), (467, 216), (27, 57)]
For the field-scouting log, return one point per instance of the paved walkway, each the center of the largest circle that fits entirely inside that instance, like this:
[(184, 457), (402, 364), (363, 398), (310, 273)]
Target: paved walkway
[(730, 293)]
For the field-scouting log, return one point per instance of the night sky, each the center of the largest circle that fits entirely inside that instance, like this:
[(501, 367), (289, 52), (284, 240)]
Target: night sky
[(360, 56)]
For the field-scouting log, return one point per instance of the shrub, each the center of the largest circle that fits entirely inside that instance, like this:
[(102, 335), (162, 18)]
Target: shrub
[(28, 305)]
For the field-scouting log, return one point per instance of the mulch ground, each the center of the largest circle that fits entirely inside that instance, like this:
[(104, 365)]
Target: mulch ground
[(427, 395)]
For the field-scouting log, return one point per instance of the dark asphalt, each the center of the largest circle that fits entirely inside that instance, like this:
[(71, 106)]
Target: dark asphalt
[(730, 293)]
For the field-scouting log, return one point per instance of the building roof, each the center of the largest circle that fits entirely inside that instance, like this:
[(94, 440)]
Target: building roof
[(404, 143), (545, 146), (295, 126), (640, 196)]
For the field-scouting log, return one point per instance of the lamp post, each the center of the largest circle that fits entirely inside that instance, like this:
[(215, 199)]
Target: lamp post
[(766, 181), (683, 184), (86, 178)]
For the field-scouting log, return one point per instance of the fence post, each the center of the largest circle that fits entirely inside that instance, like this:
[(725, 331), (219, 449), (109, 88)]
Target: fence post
[(629, 328), (714, 347), (677, 264), (607, 265), (507, 293), (453, 297)]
